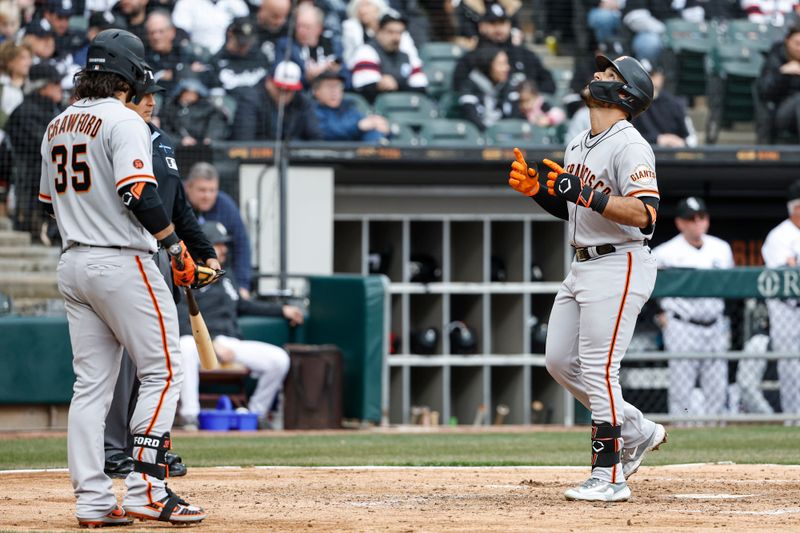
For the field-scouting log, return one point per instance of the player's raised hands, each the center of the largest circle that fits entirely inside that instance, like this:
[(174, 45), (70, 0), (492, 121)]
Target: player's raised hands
[(555, 171), (523, 179)]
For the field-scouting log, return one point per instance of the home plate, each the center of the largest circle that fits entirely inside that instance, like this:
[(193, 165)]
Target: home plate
[(713, 496)]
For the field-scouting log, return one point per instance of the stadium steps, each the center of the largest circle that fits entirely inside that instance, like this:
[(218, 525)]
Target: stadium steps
[(29, 275)]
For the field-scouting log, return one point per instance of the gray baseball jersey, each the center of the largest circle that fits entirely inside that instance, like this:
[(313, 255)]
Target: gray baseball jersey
[(595, 311), (88, 152), (618, 162), (114, 294)]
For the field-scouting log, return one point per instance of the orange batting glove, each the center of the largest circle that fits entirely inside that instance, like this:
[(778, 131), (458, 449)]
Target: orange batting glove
[(184, 269), (557, 170), (521, 178)]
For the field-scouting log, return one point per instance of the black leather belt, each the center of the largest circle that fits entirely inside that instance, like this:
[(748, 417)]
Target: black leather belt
[(589, 252), (74, 244), (704, 323)]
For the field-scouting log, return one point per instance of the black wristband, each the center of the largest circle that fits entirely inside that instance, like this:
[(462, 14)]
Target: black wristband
[(169, 240), (593, 199)]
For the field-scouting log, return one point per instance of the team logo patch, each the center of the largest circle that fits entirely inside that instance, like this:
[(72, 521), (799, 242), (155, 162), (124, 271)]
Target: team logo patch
[(138, 163), (643, 175)]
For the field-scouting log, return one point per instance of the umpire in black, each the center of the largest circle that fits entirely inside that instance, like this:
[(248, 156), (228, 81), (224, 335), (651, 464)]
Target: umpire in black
[(170, 188)]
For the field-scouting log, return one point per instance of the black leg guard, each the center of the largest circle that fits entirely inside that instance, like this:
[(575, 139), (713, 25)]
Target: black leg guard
[(161, 445), (605, 444)]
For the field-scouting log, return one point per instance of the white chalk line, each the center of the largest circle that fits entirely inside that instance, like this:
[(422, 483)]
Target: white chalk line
[(699, 496)]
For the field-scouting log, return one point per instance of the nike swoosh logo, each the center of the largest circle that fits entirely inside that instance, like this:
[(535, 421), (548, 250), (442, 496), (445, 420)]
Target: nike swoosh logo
[(571, 149)]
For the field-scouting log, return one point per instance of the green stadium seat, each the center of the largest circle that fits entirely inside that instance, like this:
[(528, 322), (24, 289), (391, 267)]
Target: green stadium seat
[(440, 76), (448, 105), (688, 44), (402, 134), (440, 51), (751, 34), (517, 132), (732, 70), (387, 104), (450, 132), (360, 102)]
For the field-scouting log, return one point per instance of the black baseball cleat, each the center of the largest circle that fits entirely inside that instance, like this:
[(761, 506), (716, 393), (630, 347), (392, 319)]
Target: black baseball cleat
[(177, 467), (120, 465)]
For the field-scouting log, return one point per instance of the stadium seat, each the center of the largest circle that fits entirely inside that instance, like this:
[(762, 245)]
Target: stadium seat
[(687, 45), (402, 134), (388, 104), (440, 77), (448, 105), (360, 102), (516, 132), (408, 118), (732, 69), (450, 132), (759, 37), (442, 51)]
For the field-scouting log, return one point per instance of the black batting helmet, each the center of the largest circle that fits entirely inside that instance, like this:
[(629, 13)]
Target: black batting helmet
[(122, 53), (633, 96)]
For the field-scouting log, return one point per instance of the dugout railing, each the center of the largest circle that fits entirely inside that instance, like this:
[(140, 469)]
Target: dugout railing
[(718, 346)]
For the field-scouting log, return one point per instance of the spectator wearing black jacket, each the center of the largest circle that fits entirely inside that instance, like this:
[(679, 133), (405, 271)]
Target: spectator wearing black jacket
[(257, 113), (134, 13), (240, 64), (222, 306), (25, 128), (487, 96), (169, 58), (272, 23), (495, 30), (470, 13), (55, 15), (779, 82), (666, 123), (189, 115)]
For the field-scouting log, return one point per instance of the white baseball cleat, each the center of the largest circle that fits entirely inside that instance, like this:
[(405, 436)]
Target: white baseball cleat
[(598, 490), (632, 458)]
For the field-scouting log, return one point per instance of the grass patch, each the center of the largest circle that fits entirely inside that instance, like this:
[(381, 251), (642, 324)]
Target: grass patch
[(739, 444)]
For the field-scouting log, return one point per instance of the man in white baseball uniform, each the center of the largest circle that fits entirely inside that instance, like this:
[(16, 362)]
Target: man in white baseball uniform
[(695, 325), (97, 180), (782, 249), (607, 191)]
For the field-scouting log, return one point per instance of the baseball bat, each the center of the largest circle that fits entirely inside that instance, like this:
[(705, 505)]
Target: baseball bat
[(205, 349)]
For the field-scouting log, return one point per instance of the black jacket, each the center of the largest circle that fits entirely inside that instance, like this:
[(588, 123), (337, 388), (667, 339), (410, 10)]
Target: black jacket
[(200, 120), (525, 64), (482, 102), (26, 127), (173, 197), (667, 114), (178, 61), (773, 86), (222, 306), (257, 115), (236, 72)]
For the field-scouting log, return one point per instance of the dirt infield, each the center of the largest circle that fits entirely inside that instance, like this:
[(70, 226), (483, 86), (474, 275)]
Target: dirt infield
[(696, 497)]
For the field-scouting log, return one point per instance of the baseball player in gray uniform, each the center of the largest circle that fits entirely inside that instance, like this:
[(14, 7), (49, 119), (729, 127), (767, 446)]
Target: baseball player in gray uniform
[(695, 324), (608, 192), (782, 249), (97, 180)]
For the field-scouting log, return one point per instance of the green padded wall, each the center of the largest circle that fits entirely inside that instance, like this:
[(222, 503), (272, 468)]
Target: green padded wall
[(35, 361), (348, 311)]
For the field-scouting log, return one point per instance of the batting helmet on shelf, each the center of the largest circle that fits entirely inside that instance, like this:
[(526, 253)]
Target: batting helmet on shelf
[(423, 268), (499, 272), (424, 341), (463, 339), (634, 95), (122, 53)]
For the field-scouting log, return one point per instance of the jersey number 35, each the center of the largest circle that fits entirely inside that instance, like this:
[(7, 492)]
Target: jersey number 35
[(82, 179)]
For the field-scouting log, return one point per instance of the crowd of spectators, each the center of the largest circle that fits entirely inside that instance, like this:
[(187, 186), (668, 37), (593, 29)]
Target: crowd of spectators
[(231, 68)]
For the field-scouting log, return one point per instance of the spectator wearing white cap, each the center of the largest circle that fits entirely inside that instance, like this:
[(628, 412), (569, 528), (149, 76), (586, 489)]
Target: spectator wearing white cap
[(257, 113), (207, 20)]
